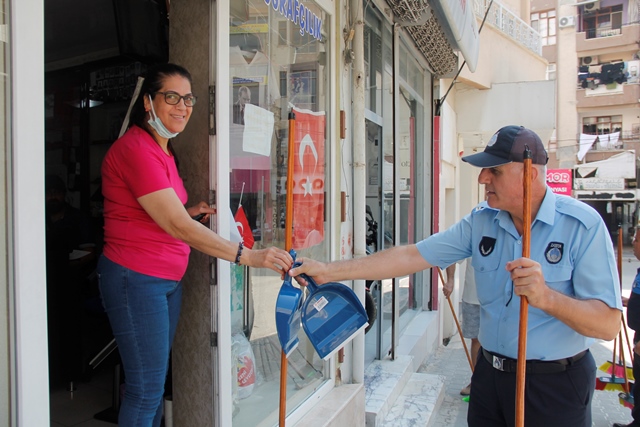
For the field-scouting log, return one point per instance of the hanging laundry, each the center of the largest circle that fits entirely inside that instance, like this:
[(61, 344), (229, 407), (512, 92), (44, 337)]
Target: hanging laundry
[(586, 141)]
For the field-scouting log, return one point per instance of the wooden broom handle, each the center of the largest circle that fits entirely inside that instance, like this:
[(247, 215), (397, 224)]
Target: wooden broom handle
[(524, 303), (288, 221), (288, 243), (455, 318)]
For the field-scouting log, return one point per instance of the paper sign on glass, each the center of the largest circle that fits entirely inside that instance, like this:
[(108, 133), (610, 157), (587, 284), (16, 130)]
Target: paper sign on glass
[(258, 129)]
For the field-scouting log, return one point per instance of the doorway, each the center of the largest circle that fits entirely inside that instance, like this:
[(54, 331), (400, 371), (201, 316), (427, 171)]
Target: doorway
[(94, 53)]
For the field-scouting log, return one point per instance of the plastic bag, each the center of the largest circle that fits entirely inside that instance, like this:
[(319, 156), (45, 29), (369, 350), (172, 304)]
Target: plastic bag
[(245, 365)]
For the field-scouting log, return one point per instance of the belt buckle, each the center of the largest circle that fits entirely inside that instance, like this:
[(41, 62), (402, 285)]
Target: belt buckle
[(498, 363)]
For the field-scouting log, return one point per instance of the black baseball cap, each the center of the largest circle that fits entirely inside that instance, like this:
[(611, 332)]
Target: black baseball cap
[(506, 146)]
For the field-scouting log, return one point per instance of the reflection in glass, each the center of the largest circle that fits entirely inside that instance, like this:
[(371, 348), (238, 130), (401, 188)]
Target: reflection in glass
[(274, 69), (394, 171), (378, 41), (5, 122), (411, 118)]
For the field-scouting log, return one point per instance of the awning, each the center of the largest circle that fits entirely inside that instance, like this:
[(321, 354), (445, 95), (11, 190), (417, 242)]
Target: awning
[(621, 165), (459, 24), (439, 27)]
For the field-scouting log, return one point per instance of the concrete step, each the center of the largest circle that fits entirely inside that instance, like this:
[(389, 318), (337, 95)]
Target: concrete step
[(418, 402), (384, 380)]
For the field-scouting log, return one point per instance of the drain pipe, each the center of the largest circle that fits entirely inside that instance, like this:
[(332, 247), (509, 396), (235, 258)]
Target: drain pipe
[(359, 168)]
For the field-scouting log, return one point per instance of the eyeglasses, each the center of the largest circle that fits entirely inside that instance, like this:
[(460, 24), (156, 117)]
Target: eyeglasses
[(173, 98)]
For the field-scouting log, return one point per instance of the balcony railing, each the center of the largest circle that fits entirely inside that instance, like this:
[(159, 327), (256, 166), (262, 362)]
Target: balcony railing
[(510, 24), (603, 39), (606, 31)]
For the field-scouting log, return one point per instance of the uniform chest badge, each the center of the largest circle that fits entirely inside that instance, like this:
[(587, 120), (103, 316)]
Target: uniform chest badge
[(554, 251), (486, 245)]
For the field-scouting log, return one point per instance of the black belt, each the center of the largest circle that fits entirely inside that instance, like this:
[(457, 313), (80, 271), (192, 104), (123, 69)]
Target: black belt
[(506, 364)]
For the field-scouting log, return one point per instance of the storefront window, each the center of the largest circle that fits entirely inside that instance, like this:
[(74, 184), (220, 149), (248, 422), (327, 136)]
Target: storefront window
[(395, 184), (411, 116), (278, 65), (5, 281), (378, 57)]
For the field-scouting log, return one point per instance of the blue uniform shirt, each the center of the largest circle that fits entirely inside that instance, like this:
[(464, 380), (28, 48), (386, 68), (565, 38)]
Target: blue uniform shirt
[(636, 283), (571, 243)]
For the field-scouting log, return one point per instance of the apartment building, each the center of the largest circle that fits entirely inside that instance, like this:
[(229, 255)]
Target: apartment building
[(593, 49)]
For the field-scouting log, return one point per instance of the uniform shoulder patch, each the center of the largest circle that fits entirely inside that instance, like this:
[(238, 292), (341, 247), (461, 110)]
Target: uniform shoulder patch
[(584, 213), (482, 206)]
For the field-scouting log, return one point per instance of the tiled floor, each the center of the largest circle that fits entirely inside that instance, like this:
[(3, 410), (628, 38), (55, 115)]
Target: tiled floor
[(89, 398)]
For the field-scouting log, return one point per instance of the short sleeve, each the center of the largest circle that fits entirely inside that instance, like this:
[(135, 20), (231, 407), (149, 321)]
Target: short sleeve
[(449, 246), (144, 170)]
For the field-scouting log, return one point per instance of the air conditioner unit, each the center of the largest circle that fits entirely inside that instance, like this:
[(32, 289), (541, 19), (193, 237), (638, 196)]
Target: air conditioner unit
[(589, 60), (590, 7), (567, 21)]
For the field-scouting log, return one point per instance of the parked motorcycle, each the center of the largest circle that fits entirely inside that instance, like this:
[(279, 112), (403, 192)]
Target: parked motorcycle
[(371, 305)]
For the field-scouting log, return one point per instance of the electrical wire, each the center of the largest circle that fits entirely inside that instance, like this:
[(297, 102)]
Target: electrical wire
[(441, 100)]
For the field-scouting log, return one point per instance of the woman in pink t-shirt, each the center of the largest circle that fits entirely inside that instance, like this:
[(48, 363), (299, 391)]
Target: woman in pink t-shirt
[(148, 235)]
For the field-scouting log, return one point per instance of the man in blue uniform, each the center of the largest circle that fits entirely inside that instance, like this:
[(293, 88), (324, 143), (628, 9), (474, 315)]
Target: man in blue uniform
[(570, 281), (633, 321)]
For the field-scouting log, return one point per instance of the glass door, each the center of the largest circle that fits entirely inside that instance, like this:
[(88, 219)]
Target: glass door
[(378, 42), (410, 125), (374, 214), (279, 76), (5, 243)]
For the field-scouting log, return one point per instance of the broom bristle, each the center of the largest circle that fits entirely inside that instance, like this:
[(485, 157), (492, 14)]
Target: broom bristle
[(608, 367), (626, 400), (619, 371), (610, 384), (605, 366)]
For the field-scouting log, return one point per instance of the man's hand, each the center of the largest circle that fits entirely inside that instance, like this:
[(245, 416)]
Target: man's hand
[(393, 262), (528, 281), (311, 268), (447, 289), (589, 317)]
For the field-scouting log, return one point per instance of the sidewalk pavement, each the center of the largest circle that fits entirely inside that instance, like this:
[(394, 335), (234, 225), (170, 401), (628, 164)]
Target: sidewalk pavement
[(452, 362)]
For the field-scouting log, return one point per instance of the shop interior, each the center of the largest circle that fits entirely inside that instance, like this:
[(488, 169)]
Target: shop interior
[(94, 52)]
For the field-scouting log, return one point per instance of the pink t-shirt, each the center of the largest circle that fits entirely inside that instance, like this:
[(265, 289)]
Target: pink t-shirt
[(134, 166)]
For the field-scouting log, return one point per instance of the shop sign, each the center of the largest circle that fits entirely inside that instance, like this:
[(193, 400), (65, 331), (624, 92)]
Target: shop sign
[(249, 28), (599, 184), (299, 14), (559, 180)]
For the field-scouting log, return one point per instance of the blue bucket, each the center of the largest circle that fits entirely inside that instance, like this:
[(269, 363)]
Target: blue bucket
[(288, 313), (332, 315)]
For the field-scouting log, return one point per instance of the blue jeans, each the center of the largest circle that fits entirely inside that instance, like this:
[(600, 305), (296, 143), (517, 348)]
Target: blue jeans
[(143, 312)]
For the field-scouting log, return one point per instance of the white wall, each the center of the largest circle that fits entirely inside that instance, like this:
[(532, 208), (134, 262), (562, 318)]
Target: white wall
[(503, 60), (566, 74), (482, 112), (27, 188)]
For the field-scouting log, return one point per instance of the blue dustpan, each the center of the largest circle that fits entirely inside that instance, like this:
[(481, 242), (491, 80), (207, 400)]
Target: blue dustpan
[(332, 315), (288, 310)]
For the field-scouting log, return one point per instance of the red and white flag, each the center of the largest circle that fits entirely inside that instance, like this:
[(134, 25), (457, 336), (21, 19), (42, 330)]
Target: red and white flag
[(308, 176), (243, 227)]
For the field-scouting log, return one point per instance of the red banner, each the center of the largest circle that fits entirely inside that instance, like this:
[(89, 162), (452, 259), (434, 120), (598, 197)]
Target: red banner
[(308, 177), (560, 181), (244, 228)]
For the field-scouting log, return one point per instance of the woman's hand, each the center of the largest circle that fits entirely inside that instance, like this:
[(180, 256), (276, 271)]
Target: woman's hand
[(273, 258), (201, 208)]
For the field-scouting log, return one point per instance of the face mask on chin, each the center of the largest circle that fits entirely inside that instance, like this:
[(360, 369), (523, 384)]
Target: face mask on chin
[(157, 124)]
